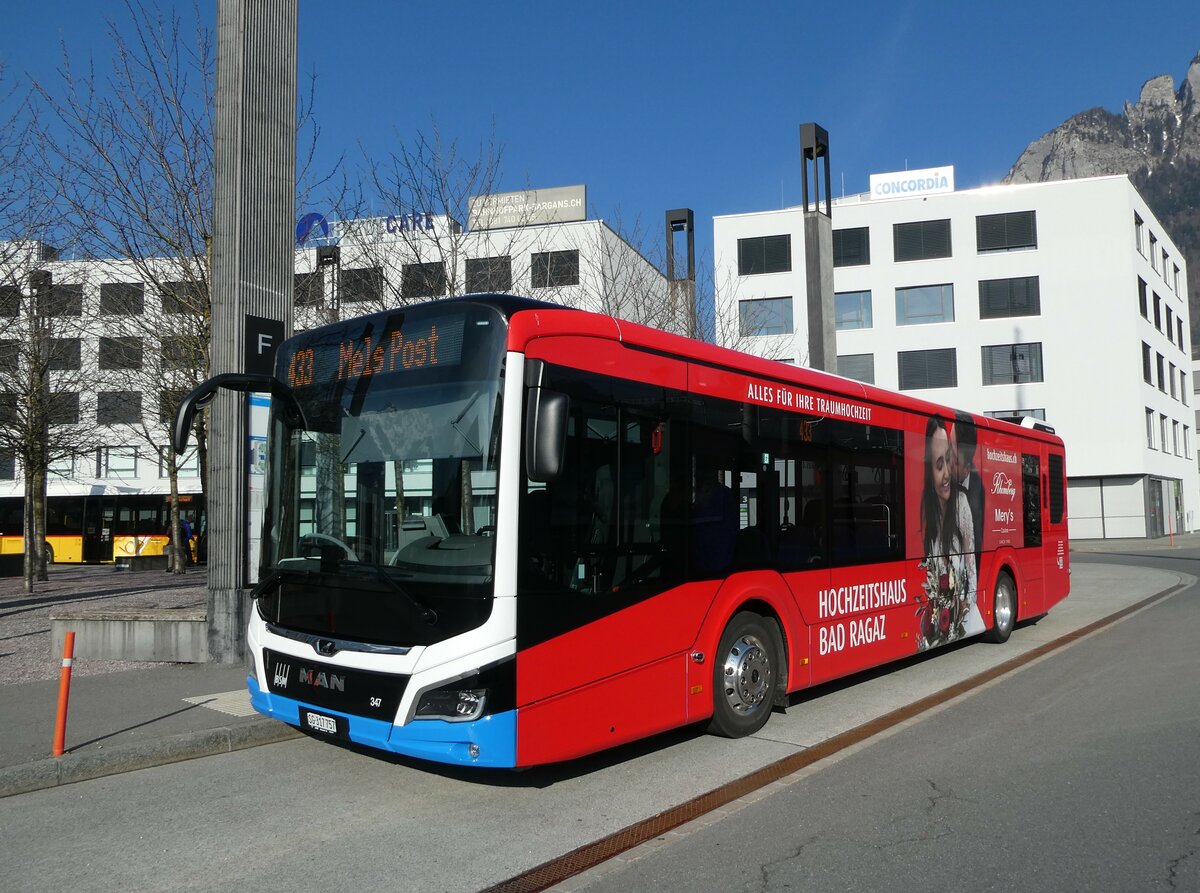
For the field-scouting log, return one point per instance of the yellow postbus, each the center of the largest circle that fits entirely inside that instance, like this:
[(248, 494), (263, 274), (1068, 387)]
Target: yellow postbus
[(102, 529)]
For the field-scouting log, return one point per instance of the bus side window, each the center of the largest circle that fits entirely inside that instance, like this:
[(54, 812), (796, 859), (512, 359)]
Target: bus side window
[(1031, 499)]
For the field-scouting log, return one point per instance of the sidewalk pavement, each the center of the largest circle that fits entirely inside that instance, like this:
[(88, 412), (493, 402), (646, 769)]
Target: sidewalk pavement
[(137, 718), (127, 720)]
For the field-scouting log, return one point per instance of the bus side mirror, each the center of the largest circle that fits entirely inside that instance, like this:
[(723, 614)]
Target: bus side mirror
[(546, 413), (204, 393), (186, 412)]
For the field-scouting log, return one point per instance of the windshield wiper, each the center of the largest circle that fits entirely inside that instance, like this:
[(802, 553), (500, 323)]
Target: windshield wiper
[(272, 581), (426, 613), (454, 423)]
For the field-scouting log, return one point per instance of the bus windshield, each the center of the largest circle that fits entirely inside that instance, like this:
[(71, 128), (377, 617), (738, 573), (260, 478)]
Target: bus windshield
[(381, 492)]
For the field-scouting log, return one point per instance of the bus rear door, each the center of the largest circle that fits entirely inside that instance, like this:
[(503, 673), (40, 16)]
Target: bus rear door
[(98, 519)]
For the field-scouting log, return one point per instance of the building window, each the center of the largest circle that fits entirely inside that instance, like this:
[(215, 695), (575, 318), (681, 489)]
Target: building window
[(923, 240), (63, 354), (1175, 437), (1162, 375), (1165, 261), (764, 254), (168, 401), (1157, 312), (1009, 297), (765, 316), (924, 304), (1012, 363), (1175, 279), (119, 408), (1139, 234), (1183, 387), (10, 300), (852, 309), (486, 274), (181, 352), (423, 280), (1170, 325), (8, 466), (859, 366), (116, 462), (1147, 365), (1154, 252), (63, 300), (1150, 428), (554, 269), (64, 408), (181, 297), (851, 247), (927, 369), (10, 356), (1187, 443), (1162, 427), (308, 288), (1006, 232), (1039, 414), (121, 353), (188, 467), (1171, 376), (1179, 328), (1143, 303), (122, 298), (360, 285)]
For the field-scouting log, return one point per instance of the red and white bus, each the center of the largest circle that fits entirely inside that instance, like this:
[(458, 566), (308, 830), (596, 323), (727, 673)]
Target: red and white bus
[(500, 532)]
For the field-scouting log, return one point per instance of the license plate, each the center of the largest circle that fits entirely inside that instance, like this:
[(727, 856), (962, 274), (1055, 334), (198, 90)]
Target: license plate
[(324, 725)]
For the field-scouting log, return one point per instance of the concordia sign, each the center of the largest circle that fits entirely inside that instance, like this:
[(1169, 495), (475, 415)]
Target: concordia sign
[(562, 204), (905, 184)]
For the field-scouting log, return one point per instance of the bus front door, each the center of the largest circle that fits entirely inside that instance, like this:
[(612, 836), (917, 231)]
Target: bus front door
[(98, 522)]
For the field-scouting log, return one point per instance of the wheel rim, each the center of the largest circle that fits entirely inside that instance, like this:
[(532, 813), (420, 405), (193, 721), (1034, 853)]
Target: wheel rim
[(747, 674), (1004, 606)]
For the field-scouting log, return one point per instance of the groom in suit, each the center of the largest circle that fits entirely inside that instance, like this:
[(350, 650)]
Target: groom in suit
[(963, 442)]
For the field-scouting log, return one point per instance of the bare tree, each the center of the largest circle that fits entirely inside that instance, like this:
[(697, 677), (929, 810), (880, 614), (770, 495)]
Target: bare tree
[(42, 349), (134, 154)]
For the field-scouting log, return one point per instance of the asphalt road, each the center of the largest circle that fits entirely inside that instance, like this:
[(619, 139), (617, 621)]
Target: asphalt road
[(1076, 773), (1080, 772)]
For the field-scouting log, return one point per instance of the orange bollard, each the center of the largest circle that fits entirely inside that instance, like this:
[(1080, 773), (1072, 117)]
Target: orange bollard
[(64, 695)]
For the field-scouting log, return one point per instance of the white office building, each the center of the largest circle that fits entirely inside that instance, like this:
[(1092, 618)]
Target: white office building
[(1064, 301), (124, 350)]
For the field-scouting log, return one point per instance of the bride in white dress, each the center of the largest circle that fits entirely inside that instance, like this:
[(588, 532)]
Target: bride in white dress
[(949, 537)]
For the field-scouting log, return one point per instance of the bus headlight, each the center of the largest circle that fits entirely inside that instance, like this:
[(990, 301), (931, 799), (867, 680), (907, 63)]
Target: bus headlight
[(452, 704)]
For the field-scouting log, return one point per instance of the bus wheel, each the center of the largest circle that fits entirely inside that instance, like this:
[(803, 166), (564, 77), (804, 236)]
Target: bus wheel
[(1004, 610), (48, 551), (744, 676)]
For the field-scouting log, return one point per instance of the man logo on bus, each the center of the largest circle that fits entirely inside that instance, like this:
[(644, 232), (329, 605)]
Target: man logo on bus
[(321, 679)]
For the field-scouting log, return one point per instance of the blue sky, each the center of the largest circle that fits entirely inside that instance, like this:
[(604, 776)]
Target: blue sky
[(672, 104)]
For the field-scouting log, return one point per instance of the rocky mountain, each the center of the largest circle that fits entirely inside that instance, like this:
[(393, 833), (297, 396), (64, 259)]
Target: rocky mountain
[(1156, 141)]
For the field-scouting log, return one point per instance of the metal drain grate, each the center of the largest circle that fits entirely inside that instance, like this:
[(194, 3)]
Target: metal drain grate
[(558, 870)]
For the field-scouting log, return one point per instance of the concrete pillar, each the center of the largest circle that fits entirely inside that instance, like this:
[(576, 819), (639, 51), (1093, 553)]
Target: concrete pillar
[(254, 196), (818, 249), (818, 276)]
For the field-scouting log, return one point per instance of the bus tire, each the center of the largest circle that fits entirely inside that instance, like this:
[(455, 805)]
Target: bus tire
[(744, 675), (48, 551), (1004, 610)]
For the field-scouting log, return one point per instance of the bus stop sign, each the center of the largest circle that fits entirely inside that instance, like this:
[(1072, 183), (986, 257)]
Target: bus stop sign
[(263, 337)]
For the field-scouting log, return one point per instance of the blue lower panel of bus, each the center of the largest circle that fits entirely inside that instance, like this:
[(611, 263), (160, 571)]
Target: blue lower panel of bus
[(495, 736)]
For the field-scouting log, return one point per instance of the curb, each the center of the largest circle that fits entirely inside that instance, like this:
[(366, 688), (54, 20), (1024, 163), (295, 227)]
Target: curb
[(70, 768)]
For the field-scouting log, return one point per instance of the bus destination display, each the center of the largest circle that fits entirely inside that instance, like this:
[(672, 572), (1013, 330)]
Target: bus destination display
[(421, 344)]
